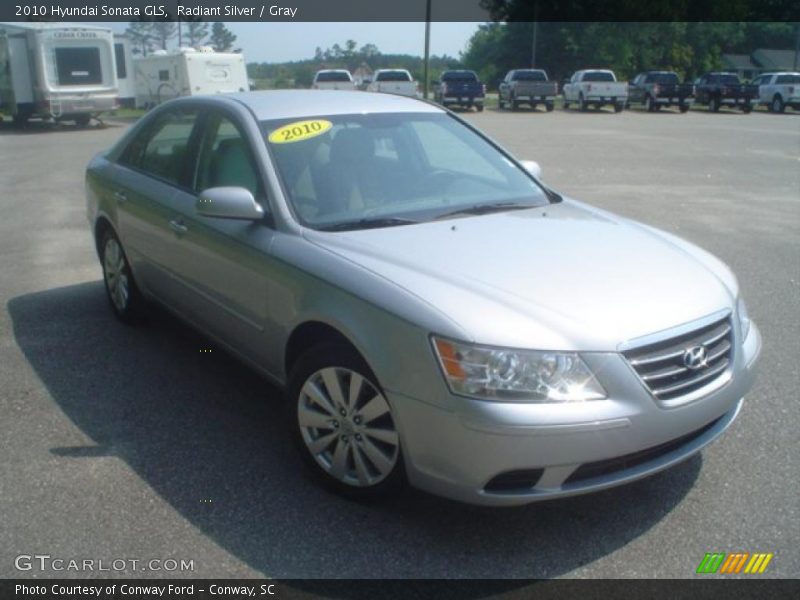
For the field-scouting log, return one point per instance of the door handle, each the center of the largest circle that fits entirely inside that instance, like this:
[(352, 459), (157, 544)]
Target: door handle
[(178, 227), (121, 196)]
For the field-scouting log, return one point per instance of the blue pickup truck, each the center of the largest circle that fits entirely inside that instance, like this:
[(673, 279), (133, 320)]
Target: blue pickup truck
[(460, 88)]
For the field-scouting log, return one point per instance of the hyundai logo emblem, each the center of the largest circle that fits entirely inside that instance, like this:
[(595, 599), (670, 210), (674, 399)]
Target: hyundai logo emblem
[(695, 357)]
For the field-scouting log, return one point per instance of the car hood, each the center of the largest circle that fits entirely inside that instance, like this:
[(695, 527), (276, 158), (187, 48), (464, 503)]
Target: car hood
[(560, 277)]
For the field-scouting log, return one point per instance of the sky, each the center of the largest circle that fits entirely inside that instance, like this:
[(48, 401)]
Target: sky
[(281, 42)]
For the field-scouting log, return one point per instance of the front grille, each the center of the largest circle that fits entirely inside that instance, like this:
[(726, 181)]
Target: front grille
[(662, 365), (628, 461), (514, 481)]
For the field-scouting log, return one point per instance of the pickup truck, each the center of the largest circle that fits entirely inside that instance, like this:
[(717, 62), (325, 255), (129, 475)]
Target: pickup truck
[(393, 81), (460, 88), (776, 91), (333, 79), (657, 89), (595, 87), (528, 86), (716, 90)]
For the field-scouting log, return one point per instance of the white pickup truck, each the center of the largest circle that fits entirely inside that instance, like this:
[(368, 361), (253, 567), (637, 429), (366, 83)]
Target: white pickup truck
[(776, 91), (595, 87), (333, 79), (393, 81)]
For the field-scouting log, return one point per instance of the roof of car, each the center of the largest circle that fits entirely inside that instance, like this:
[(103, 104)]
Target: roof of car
[(289, 104)]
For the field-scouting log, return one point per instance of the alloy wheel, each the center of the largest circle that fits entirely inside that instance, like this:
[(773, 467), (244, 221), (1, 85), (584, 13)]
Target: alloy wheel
[(115, 274), (347, 427)]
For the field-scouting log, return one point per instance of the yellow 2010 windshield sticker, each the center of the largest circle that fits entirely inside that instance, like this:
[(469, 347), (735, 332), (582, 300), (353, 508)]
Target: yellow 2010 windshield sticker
[(299, 131)]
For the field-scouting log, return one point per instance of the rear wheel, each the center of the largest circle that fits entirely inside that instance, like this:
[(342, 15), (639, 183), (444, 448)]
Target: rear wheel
[(125, 298), (581, 103), (714, 104), (343, 424), (684, 108), (747, 108), (618, 107), (777, 105), (549, 106), (82, 120), (500, 103), (566, 104), (649, 105), (479, 107)]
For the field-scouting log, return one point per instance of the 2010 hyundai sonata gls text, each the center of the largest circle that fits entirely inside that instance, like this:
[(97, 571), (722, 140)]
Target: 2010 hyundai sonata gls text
[(436, 314)]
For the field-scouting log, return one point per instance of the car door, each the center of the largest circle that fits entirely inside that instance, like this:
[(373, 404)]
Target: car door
[(147, 176), (635, 90), (225, 264)]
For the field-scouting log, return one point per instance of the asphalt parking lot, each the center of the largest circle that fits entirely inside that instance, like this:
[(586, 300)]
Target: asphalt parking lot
[(122, 442)]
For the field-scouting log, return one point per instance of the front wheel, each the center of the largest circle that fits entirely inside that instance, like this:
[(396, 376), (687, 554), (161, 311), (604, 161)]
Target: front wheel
[(777, 104), (343, 423), (684, 108), (649, 105), (747, 109), (618, 107), (549, 106), (714, 105)]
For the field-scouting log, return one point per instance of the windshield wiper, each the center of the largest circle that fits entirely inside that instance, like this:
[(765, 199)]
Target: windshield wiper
[(368, 224), (484, 209)]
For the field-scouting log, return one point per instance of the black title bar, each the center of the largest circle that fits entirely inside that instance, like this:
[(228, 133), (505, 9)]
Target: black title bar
[(406, 10)]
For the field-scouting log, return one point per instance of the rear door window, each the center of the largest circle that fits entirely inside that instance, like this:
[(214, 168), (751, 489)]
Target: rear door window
[(163, 150)]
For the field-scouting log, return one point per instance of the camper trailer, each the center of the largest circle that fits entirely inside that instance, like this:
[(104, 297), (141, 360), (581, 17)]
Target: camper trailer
[(123, 59), (187, 72), (56, 71)]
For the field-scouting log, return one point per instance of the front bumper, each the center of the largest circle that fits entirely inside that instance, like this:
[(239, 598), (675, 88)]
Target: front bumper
[(457, 453)]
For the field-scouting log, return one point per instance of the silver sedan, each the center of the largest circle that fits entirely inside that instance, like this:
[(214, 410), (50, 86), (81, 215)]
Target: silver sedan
[(436, 314)]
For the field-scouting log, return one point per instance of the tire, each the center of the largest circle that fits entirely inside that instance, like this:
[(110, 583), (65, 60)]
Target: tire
[(747, 109), (549, 106), (82, 120), (479, 107), (514, 104), (618, 107), (582, 103), (714, 104), (684, 108), (566, 104), (777, 106), (500, 103), (126, 301), (20, 120), (649, 105), (350, 448)]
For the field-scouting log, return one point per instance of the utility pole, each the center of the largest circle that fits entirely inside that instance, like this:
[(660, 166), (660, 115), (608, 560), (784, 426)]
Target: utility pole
[(796, 47), (533, 49), (427, 48)]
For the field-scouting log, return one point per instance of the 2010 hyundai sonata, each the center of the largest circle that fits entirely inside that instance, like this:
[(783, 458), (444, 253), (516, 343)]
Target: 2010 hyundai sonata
[(436, 314)]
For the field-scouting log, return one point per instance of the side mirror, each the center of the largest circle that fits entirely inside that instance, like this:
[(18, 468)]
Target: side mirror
[(228, 203), (532, 167)]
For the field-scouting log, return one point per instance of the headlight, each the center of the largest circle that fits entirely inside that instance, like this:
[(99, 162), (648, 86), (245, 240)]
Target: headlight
[(744, 318), (516, 375)]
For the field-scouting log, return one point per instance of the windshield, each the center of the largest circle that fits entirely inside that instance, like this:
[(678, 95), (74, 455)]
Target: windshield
[(459, 76), (529, 76), (346, 169), (598, 76), (393, 76), (663, 78), (333, 76)]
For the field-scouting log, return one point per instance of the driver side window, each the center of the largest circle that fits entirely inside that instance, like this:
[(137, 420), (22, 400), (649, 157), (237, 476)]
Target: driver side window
[(226, 159)]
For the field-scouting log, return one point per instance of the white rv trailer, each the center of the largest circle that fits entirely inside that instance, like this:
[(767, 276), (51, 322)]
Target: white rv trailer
[(123, 60), (56, 70), (187, 72)]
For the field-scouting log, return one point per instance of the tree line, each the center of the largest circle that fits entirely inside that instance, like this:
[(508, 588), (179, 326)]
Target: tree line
[(689, 48), (148, 36), (348, 55)]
